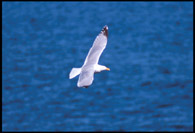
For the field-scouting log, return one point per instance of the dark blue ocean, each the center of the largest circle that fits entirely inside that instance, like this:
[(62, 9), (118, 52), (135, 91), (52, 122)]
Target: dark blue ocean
[(149, 52)]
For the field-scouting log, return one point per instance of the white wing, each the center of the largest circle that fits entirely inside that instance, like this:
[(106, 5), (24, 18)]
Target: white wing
[(86, 76), (87, 73), (98, 47)]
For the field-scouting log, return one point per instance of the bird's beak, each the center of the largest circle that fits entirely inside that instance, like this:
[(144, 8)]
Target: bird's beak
[(108, 69)]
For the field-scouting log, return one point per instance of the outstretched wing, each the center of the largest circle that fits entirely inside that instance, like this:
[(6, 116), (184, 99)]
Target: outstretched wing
[(87, 72), (86, 76), (97, 48)]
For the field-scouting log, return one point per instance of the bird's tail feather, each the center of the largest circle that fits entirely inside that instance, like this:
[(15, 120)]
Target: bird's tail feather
[(74, 72)]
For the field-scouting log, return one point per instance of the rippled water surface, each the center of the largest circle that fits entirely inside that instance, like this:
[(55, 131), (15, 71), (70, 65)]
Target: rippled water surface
[(149, 52)]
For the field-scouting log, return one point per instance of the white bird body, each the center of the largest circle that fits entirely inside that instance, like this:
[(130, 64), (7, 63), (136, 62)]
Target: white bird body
[(91, 65)]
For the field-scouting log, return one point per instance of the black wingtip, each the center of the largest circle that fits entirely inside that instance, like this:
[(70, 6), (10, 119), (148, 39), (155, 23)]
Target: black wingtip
[(105, 30), (85, 86), (105, 27)]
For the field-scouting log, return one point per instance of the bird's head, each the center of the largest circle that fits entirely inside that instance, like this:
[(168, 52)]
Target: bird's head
[(104, 68), (107, 69), (100, 68)]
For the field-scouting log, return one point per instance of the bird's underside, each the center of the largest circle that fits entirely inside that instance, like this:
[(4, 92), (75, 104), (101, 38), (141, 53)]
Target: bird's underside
[(89, 67)]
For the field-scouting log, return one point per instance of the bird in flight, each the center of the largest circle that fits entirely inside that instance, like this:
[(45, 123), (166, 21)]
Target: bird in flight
[(91, 65)]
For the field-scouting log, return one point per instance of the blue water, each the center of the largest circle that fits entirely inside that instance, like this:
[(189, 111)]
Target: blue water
[(149, 52)]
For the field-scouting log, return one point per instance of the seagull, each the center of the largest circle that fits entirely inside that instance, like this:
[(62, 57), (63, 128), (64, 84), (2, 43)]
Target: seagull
[(91, 65)]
